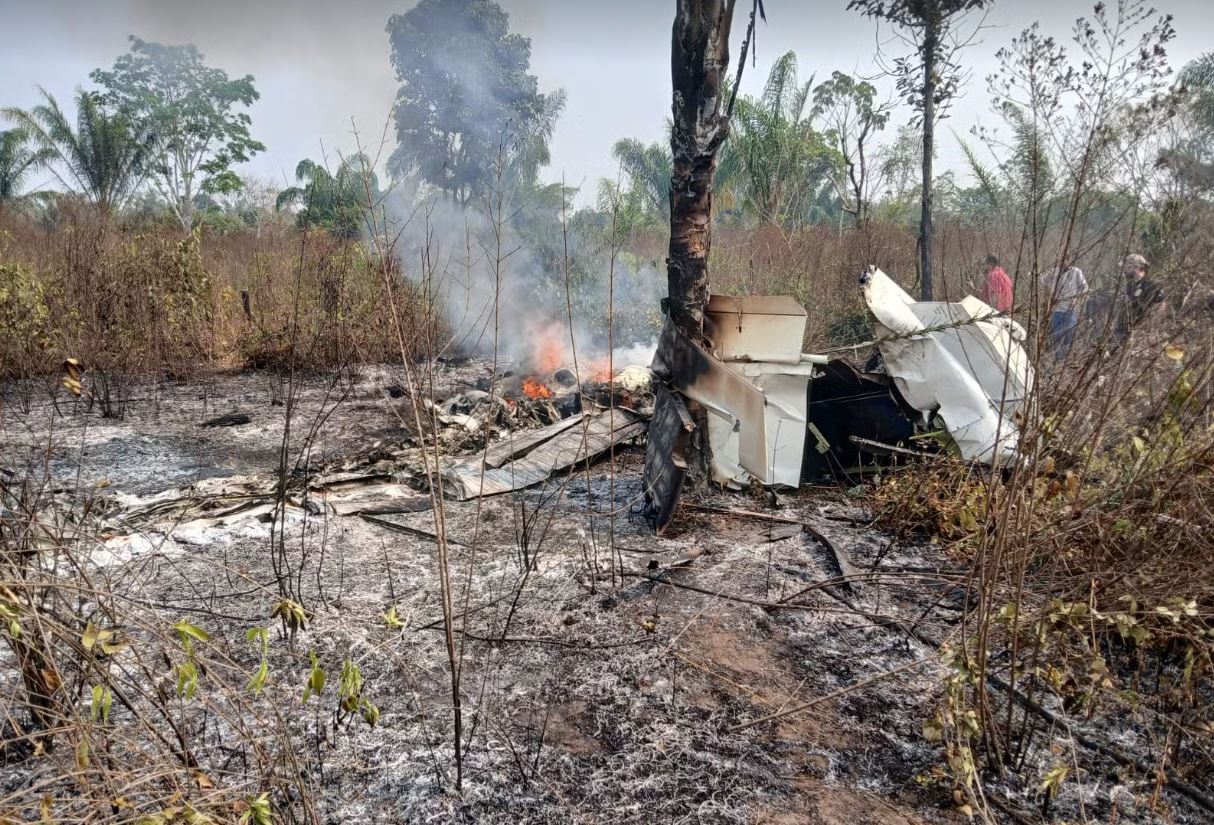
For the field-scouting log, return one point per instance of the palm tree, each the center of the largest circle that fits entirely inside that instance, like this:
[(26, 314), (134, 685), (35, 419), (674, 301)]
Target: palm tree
[(1198, 77), (647, 169), (339, 202), (1025, 179), (530, 151), (1191, 158), (103, 157), (624, 207), (774, 161), (17, 160)]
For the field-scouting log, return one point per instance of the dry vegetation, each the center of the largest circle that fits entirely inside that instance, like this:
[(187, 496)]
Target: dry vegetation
[(216, 643), (1078, 653), (131, 301)]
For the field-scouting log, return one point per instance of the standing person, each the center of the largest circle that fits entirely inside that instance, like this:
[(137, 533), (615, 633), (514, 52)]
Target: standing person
[(1065, 294), (1144, 297), (996, 290)]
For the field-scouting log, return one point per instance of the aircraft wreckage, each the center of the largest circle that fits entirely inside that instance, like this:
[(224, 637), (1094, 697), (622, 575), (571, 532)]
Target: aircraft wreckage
[(783, 417)]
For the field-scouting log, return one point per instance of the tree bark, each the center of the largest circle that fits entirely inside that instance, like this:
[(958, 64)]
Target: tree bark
[(931, 37), (699, 65), (699, 57)]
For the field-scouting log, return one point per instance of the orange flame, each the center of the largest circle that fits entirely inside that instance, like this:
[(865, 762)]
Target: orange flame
[(534, 389)]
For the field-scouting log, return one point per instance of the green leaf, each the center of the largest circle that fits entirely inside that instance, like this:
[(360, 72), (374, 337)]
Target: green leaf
[(392, 620), (103, 698), (258, 682), (258, 811), (187, 679), (187, 630), (1053, 779), (370, 713), (316, 679), (260, 635)]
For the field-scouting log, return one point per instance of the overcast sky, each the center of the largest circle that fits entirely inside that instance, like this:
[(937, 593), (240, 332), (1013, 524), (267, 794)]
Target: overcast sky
[(323, 67)]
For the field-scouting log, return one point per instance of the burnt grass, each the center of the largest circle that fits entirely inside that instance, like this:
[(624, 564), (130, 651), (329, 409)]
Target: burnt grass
[(599, 683)]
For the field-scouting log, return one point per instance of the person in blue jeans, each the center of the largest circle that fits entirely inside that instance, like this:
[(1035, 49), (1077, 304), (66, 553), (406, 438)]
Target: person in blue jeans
[(1065, 292)]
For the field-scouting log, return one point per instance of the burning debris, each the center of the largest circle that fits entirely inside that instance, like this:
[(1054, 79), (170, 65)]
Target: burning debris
[(528, 422)]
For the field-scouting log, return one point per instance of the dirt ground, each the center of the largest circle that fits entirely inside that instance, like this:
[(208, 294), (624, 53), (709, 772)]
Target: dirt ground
[(601, 680)]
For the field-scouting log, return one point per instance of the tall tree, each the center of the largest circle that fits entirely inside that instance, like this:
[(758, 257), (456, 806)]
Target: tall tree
[(1197, 77), (647, 169), (469, 104), (19, 156), (928, 79), (698, 67), (103, 156), (699, 126), (774, 163), (852, 116), (339, 202), (1191, 157), (196, 113)]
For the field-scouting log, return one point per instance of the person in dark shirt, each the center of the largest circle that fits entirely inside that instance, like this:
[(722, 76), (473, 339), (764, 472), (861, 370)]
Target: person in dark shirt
[(1144, 297)]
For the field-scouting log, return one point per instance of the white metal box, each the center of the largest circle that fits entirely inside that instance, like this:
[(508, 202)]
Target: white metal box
[(755, 328)]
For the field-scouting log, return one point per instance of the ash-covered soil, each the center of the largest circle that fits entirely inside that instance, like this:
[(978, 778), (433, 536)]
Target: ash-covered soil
[(607, 675)]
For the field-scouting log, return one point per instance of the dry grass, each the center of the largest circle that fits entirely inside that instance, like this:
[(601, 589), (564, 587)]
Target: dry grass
[(1089, 587), (1088, 593), (132, 301)]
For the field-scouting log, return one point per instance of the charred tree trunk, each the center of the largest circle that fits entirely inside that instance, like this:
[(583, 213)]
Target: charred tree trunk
[(931, 42), (678, 432), (699, 62)]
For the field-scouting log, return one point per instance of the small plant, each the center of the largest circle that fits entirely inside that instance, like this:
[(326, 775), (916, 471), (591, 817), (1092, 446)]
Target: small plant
[(315, 683), (350, 696), (257, 682), (258, 811), (188, 672), (292, 615)]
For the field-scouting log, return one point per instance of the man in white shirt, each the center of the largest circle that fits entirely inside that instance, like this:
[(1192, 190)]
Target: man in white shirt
[(1065, 292)]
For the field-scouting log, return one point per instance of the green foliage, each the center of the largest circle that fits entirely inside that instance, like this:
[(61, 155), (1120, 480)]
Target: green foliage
[(195, 112), (188, 672), (24, 319), (624, 208), (104, 640), (350, 698), (469, 103), (315, 684), (392, 620), (258, 812), (852, 116), (342, 203), (103, 699), (19, 157), (926, 26), (776, 166), (103, 156), (350, 687), (1198, 78), (257, 682), (647, 169), (1191, 160), (292, 615), (10, 615)]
